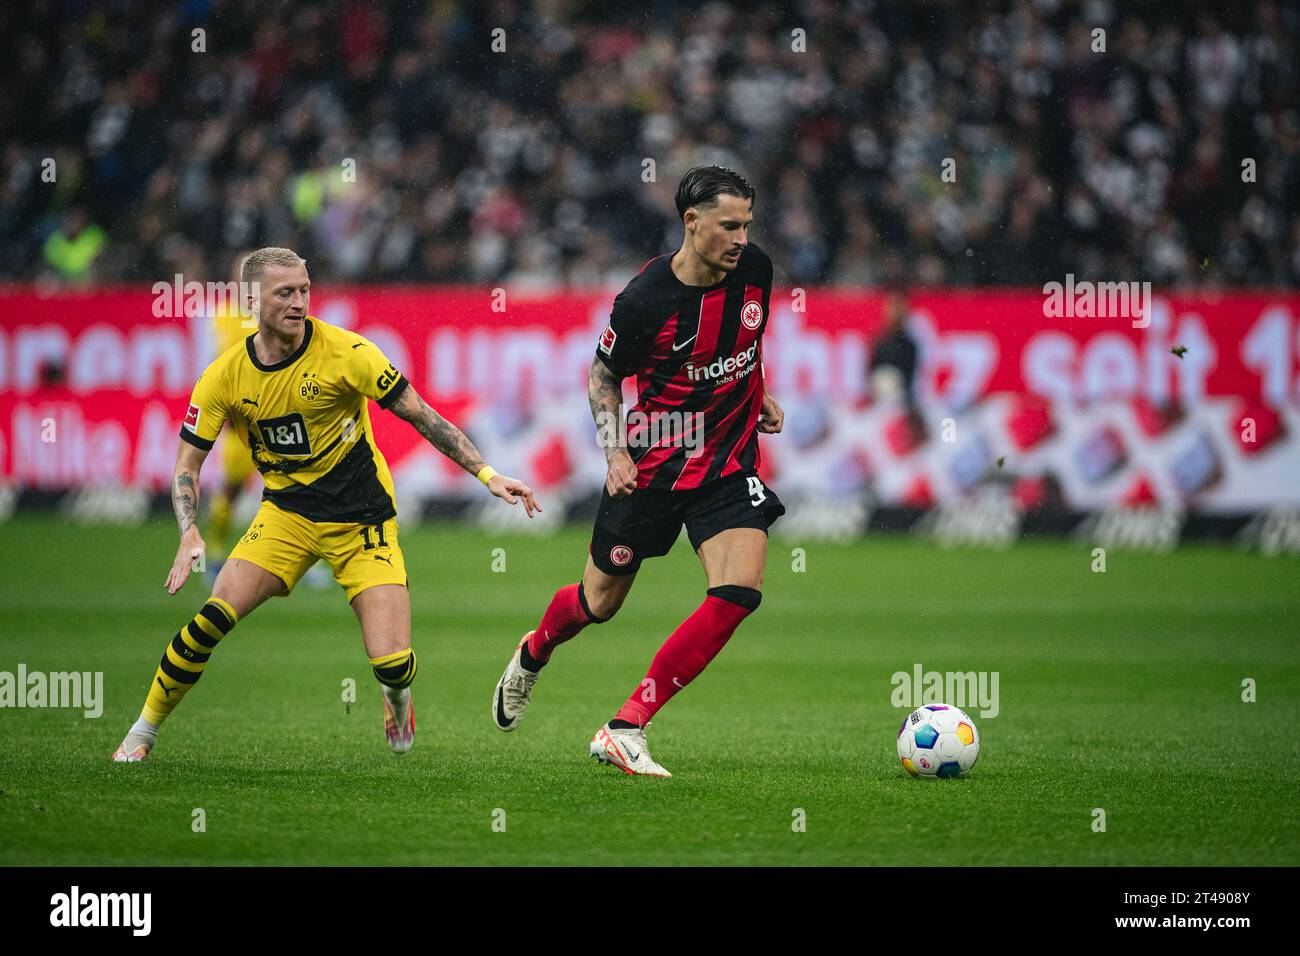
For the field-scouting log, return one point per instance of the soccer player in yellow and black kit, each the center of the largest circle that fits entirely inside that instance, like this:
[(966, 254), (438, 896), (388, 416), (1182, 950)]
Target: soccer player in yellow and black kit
[(298, 388)]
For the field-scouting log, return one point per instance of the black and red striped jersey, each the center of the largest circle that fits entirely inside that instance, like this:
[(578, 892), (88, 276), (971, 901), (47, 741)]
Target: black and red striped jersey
[(696, 351)]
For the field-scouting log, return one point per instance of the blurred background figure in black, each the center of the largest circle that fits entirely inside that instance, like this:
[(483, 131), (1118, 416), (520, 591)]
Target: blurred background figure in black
[(895, 350), (894, 358)]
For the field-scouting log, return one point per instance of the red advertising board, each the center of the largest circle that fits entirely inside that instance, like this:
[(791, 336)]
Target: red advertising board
[(93, 386)]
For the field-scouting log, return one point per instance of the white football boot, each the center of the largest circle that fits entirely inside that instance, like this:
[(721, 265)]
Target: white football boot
[(514, 691), (137, 743), (399, 719), (135, 755), (627, 750)]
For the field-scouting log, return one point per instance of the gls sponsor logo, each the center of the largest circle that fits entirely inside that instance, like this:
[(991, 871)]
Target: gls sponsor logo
[(721, 367), (103, 909)]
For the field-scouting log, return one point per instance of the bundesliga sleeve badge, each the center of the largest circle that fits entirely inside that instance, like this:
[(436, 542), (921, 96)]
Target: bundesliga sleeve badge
[(192, 418), (607, 340)]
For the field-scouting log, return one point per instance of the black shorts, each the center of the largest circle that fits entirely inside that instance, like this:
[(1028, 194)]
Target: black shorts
[(645, 524)]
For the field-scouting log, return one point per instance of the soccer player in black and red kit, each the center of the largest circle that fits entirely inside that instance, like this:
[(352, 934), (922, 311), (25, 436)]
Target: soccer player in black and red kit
[(690, 328)]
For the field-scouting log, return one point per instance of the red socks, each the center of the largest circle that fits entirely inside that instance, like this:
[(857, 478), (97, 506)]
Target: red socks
[(681, 659), (566, 615), (689, 649)]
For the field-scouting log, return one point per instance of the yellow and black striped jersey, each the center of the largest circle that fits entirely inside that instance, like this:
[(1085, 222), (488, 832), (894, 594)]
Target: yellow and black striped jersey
[(307, 421)]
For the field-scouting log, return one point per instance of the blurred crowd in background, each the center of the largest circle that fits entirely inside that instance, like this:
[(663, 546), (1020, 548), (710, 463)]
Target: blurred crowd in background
[(389, 142)]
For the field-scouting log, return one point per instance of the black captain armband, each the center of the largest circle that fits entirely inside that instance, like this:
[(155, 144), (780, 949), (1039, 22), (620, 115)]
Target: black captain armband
[(393, 393), (204, 444)]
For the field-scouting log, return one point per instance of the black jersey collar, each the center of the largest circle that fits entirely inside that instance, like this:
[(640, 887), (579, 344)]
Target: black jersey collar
[(287, 360)]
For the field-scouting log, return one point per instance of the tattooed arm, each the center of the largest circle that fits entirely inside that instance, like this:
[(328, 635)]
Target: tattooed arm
[(455, 444), (185, 502), (439, 432), (605, 394)]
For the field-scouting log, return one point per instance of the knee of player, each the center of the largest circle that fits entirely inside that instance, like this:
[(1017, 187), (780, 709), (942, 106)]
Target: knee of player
[(600, 604), (746, 598), (601, 607)]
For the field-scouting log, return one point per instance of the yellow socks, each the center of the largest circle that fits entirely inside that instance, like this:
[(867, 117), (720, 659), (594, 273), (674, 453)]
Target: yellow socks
[(185, 657), (395, 670)]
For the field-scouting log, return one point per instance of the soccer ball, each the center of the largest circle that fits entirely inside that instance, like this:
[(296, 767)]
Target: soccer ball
[(938, 741)]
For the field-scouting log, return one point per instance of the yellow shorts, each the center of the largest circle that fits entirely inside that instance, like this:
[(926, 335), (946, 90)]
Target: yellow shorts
[(287, 544)]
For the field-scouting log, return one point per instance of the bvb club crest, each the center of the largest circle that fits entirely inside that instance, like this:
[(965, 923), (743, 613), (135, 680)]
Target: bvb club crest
[(308, 389)]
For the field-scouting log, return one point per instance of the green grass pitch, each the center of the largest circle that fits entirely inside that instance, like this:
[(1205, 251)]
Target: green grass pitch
[(1120, 691)]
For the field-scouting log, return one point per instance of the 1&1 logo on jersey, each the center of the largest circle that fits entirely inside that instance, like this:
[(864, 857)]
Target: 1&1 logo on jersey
[(285, 435)]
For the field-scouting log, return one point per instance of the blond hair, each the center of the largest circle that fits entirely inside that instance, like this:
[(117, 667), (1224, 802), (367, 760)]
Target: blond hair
[(254, 264)]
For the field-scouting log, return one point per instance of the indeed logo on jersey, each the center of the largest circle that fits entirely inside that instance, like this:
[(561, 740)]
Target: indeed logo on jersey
[(742, 364)]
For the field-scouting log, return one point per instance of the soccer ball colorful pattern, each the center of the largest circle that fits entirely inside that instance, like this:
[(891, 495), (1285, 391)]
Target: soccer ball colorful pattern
[(938, 740)]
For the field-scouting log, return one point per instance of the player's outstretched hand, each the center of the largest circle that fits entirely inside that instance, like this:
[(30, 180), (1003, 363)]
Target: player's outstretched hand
[(190, 550), (773, 416), (511, 490), (621, 478)]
